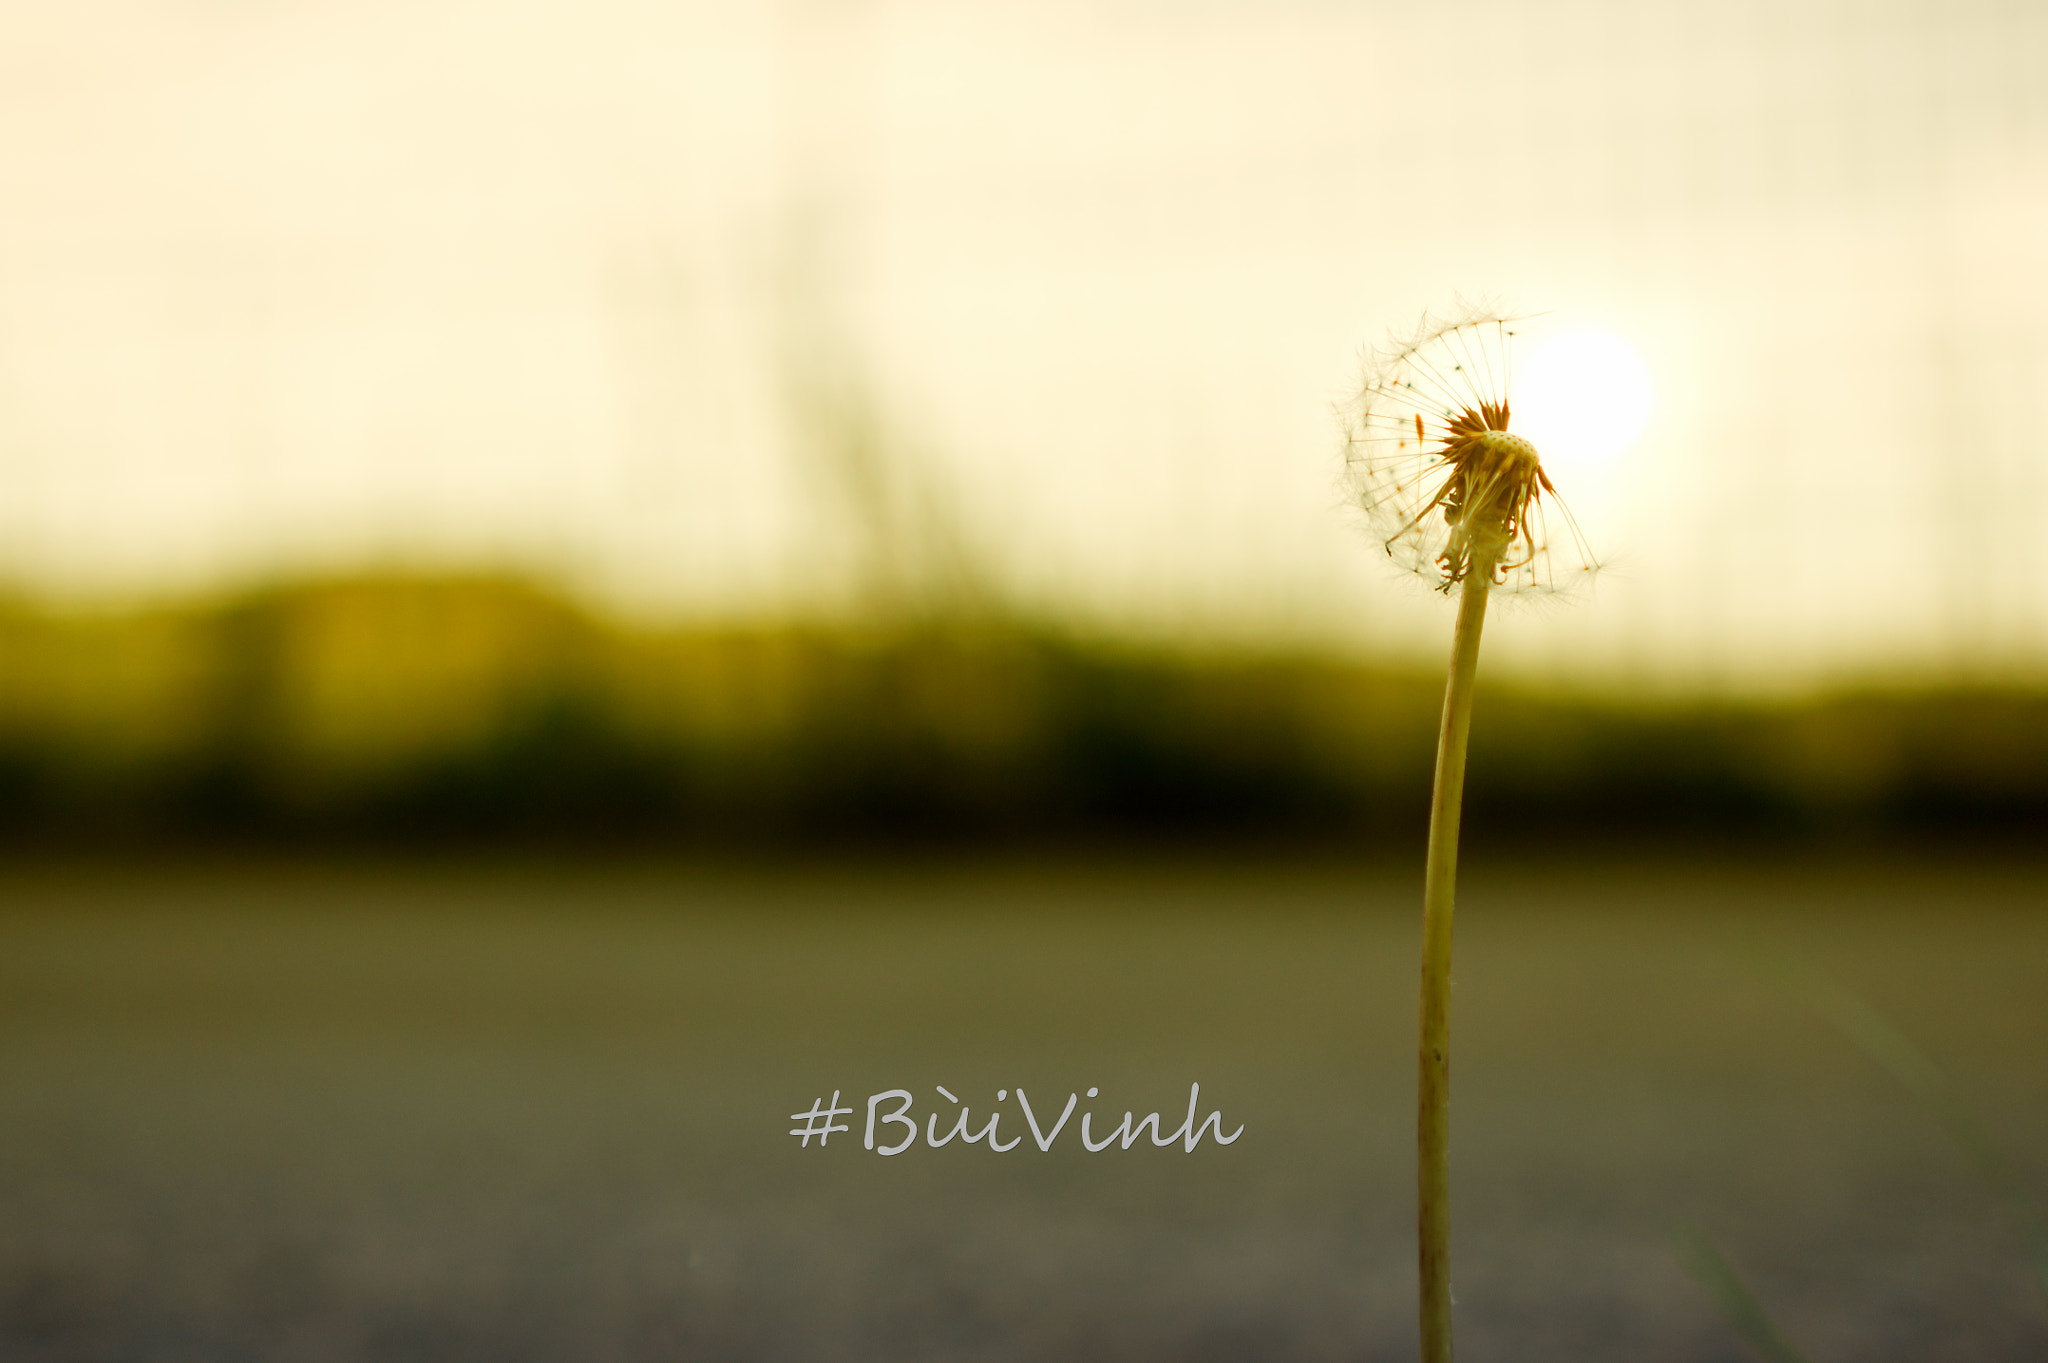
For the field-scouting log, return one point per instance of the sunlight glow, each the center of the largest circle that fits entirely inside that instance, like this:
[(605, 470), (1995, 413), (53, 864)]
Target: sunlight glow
[(1582, 397)]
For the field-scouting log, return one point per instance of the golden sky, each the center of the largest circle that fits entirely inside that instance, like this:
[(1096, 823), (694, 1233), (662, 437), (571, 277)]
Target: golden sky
[(721, 310)]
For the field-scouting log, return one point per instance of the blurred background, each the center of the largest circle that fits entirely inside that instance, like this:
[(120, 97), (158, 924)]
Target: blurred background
[(533, 535), (386, 390)]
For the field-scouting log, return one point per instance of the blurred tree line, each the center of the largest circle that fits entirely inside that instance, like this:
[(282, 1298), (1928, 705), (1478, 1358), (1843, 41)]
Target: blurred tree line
[(461, 712)]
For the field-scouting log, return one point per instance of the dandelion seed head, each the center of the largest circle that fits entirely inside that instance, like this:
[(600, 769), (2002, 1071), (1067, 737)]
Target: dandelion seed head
[(1431, 462)]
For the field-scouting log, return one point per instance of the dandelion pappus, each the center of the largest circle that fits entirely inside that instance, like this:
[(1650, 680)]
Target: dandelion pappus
[(1430, 460)]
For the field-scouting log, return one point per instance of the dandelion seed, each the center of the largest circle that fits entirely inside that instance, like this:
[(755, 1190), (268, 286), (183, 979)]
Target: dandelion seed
[(1431, 461), (1453, 495)]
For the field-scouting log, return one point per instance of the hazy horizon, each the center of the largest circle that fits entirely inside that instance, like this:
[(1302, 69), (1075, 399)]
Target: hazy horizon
[(804, 311)]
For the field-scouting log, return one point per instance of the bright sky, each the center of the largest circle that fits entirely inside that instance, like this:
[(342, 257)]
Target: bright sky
[(717, 311)]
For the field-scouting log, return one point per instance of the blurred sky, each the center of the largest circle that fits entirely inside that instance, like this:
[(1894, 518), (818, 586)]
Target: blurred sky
[(716, 311)]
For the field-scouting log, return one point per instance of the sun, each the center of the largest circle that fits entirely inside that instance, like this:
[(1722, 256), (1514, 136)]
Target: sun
[(1582, 398)]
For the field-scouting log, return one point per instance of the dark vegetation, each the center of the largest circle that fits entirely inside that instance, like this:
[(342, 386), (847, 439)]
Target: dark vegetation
[(386, 712)]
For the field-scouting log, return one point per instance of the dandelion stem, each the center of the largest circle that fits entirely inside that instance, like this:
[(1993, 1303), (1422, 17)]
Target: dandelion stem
[(1433, 1119)]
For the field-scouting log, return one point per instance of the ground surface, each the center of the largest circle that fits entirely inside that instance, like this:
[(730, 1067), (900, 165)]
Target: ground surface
[(291, 1115)]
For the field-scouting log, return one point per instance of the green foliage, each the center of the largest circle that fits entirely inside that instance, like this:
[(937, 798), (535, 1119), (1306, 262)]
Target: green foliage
[(459, 710)]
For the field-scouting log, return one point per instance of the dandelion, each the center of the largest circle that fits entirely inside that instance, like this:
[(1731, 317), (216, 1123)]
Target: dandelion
[(1433, 464), (1455, 496)]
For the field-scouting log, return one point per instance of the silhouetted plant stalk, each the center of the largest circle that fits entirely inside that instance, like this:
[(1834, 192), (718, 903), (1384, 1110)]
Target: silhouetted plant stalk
[(1458, 499), (1439, 894)]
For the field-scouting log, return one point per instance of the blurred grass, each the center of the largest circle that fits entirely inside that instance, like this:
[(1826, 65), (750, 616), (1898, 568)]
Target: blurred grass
[(479, 710), (1718, 1278)]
